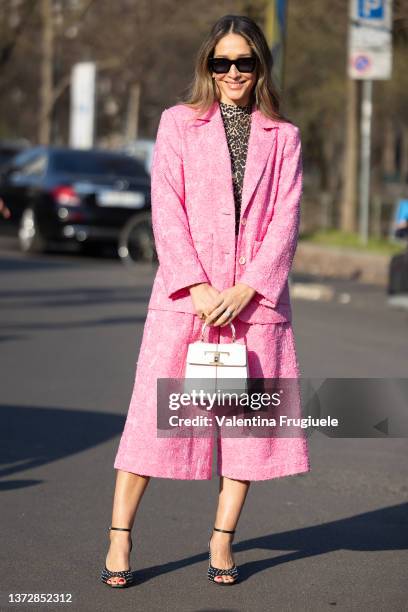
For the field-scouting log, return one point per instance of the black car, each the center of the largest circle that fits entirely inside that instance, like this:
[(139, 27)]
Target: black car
[(58, 194), (10, 148)]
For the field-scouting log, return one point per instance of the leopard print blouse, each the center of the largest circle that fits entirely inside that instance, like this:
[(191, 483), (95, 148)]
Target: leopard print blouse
[(237, 124)]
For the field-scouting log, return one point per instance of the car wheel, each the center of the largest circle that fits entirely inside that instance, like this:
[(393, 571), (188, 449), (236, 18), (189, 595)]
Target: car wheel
[(29, 235), (136, 241)]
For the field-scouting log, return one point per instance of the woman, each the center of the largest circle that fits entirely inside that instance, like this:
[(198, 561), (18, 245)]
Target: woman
[(225, 247)]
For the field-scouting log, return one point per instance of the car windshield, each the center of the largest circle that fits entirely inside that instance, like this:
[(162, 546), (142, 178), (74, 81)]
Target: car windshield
[(6, 156), (94, 163)]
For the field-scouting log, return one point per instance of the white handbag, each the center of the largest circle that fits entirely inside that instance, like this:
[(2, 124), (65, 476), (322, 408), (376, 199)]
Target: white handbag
[(212, 366)]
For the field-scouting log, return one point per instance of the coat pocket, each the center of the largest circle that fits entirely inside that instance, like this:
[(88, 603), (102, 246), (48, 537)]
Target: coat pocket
[(283, 300), (255, 247), (204, 249)]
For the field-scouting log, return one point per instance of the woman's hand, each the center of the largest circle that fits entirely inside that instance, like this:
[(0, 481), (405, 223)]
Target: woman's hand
[(229, 304), (205, 298)]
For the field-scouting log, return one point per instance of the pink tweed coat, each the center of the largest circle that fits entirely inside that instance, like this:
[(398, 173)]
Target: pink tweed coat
[(193, 211), (194, 227)]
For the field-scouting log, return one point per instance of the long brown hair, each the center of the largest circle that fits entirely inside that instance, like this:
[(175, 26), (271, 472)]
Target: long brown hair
[(203, 90)]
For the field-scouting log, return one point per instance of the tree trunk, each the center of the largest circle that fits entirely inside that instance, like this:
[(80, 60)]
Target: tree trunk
[(132, 119), (389, 148), (46, 84), (349, 203), (404, 157)]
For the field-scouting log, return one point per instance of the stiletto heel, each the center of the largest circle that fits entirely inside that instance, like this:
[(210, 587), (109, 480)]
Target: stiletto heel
[(126, 574), (216, 571)]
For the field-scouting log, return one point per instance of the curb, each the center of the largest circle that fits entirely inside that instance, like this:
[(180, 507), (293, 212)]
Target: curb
[(341, 263), (312, 291)]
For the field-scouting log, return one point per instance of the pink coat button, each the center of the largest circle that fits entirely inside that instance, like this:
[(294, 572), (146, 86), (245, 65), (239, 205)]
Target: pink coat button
[(242, 259)]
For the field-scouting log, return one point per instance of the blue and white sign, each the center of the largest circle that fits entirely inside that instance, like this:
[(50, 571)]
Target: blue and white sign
[(370, 39), (371, 9)]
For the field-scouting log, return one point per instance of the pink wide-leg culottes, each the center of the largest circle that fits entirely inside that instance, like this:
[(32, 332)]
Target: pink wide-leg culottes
[(162, 354)]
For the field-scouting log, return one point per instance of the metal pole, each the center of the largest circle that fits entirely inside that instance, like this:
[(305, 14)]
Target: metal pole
[(366, 114), (275, 33)]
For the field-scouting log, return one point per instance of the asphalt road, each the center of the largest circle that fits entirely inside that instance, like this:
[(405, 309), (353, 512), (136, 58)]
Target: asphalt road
[(334, 538)]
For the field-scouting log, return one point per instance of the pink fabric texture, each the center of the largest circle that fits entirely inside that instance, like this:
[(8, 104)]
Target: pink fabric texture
[(271, 353), (193, 213)]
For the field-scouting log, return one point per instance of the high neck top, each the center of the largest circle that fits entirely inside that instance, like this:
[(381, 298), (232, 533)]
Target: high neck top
[(231, 110), (237, 124)]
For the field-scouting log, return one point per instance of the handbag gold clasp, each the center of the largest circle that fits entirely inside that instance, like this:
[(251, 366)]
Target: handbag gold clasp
[(217, 357)]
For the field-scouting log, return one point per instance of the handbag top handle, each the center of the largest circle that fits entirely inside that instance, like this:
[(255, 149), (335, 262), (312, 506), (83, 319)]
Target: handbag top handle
[(232, 327)]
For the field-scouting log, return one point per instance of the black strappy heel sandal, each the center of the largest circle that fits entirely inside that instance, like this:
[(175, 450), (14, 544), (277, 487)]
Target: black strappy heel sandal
[(216, 571), (126, 574)]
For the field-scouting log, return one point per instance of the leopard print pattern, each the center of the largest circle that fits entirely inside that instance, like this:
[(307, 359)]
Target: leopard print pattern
[(237, 124)]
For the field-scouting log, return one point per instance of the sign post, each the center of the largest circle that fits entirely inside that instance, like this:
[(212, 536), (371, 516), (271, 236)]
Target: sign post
[(82, 116), (275, 33), (370, 57)]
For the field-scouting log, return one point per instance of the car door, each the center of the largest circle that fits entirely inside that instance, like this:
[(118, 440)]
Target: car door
[(21, 181)]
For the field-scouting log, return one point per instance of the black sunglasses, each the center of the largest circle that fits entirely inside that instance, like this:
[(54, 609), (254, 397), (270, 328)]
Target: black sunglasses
[(221, 65)]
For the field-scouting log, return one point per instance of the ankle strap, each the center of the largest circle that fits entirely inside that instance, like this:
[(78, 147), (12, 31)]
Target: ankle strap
[(223, 530), (120, 528)]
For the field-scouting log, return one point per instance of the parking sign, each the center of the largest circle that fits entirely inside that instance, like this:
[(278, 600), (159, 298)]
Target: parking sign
[(370, 39), (371, 9)]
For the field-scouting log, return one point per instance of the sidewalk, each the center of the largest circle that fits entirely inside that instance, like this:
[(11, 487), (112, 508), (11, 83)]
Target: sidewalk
[(341, 262), (334, 274)]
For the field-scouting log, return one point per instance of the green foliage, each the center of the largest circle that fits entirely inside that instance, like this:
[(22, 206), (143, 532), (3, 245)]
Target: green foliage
[(339, 238)]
